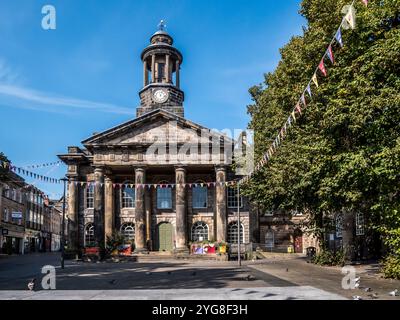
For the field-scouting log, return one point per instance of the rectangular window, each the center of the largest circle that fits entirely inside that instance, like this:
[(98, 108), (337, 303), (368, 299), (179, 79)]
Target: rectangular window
[(128, 198), (164, 198), (90, 196), (360, 229), (199, 197), (233, 198)]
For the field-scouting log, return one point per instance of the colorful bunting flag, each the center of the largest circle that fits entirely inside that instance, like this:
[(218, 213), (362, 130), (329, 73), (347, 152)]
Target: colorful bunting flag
[(321, 67), (338, 37), (308, 90), (350, 17), (329, 53)]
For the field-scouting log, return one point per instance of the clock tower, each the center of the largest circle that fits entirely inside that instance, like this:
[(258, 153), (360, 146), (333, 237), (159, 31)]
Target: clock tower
[(161, 79)]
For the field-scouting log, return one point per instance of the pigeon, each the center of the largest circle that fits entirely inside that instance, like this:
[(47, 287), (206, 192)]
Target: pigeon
[(31, 284), (148, 273), (357, 285), (113, 281), (193, 273), (357, 279), (394, 293), (367, 289), (248, 278), (357, 298)]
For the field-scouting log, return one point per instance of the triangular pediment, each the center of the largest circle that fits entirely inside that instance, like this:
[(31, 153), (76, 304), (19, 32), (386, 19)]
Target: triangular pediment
[(156, 126)]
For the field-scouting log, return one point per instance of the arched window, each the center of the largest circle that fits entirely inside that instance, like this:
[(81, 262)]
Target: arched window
[(339, 225), (199, 195), (200, 231), (164, 196), (128, 231), (360, 229), (128, 197), (89, 235), (269, 238), (233, 233), (90, 196)]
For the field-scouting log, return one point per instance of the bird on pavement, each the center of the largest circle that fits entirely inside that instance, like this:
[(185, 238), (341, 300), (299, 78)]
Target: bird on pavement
[(148, 273), (193, 273), (357, 298), (357, 279), (367, 289), (394, 293), (357, 285), (113, 281), (31, 284)]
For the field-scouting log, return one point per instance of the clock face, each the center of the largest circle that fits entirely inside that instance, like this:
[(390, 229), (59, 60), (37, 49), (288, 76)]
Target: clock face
[(160, 96)]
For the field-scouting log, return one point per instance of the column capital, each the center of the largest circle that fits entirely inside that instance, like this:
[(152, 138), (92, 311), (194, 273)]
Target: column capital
[(220, 167), (180, 168)]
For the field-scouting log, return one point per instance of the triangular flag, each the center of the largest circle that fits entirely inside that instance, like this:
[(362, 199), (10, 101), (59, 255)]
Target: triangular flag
[(330, 54), (315, 79), (350, 17), (338, 37), (289, 121), (309, 90), (321, 67), (293, 116), (298, 108)]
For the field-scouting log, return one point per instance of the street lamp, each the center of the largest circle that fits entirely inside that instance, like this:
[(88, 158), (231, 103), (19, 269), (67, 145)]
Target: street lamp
[(238, 214), (64, 180)]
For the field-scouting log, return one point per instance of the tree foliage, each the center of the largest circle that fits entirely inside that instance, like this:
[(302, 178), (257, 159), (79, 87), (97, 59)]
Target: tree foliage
[(344, 152)]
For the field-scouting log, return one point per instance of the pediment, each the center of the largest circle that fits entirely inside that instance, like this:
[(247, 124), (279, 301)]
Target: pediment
[(158, 126)]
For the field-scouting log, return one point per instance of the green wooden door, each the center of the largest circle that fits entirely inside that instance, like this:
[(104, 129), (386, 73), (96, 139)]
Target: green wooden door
[(165, 237)]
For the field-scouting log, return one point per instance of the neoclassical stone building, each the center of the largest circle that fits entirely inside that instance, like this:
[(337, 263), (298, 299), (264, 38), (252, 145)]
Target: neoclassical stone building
[(160, 179)]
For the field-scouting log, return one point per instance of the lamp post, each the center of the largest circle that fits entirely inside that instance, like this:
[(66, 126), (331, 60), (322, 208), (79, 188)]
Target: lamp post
[(64, 180), (238, 214)]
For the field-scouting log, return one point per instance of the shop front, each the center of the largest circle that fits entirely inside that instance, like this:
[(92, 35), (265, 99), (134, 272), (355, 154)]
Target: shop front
[(32, 241), (12, 239)]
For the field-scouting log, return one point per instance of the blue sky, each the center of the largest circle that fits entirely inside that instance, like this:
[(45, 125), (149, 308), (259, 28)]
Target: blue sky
[(59, 86)]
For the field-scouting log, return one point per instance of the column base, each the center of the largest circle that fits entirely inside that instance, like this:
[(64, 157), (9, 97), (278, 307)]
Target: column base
[(141, 250), (183, 250)]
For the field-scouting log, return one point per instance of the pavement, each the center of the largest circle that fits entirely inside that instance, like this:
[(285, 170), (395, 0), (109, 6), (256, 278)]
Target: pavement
[(276, 277)]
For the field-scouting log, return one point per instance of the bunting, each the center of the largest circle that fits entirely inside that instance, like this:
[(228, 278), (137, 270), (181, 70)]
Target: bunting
[(349, 18), (321, 67)]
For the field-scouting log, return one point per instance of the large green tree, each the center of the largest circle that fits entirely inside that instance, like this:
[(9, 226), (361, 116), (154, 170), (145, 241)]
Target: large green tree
[(344, 152)]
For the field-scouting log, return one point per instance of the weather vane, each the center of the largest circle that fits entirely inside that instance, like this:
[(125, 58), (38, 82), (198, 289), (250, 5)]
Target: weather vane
[(162, 25)]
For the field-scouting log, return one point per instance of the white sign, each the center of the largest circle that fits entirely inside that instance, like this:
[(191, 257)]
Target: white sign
[(16, 215)]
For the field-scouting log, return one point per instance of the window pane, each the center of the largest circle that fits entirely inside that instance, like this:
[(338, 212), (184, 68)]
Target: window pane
[(233, 199), (233, 233), (128, 198), (164, 198), (199, 197), (200, 231)]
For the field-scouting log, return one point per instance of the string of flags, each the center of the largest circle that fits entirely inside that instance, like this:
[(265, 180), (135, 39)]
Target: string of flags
[(25, 172), (91, 184), (43, 165), (306, 96)]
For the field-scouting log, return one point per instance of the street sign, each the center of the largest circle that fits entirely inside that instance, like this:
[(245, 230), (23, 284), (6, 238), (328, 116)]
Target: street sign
[(16, 215)]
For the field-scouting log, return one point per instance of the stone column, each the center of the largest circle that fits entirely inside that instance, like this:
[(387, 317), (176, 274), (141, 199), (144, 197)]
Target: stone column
[(140, 214), (166, 68), (177, 80), (147, 206), (153, 68), (220, 203), (145, 74), (180, 179), (73, 236), (99, 205), (108, 208)]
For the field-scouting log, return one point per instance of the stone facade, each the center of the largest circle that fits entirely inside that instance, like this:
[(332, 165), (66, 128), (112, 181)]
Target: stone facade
[(148, 174)]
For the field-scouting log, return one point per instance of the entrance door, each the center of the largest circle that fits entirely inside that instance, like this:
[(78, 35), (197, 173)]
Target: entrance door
[(165, 237)]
